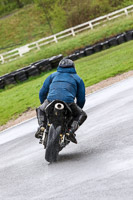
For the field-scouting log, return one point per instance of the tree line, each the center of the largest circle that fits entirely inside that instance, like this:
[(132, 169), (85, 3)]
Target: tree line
[(61, 14)]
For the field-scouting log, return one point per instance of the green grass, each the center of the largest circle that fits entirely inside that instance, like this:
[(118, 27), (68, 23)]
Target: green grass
[(68, 45), (28, 24), (91, 69), (22, 27)]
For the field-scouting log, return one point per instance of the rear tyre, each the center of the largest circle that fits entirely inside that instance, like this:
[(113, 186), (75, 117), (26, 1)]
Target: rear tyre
[(53, 147)]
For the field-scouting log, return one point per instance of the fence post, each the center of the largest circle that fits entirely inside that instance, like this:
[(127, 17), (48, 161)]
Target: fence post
[(55, 39), (72, 30), (90, 25), (19, 52), (107, 17), (37, 45), (2, 59), (126, 12)]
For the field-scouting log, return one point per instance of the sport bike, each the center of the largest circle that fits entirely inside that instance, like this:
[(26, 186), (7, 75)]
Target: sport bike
[(56, 135)]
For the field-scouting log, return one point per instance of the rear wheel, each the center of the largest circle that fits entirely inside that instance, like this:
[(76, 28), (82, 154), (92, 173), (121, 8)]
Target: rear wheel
[(53, 147)]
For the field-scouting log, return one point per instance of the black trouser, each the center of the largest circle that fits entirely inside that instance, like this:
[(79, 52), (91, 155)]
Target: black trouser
[(78, 114), (41, 115)]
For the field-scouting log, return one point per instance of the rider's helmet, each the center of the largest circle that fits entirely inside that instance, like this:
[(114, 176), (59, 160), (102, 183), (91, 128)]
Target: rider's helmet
[(65, 62)]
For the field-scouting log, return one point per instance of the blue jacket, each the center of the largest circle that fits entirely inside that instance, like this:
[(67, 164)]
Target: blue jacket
[(63, 85)]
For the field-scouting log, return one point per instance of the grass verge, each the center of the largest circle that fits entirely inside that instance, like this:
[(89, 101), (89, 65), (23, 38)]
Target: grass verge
[(70, 44), (91, 69)]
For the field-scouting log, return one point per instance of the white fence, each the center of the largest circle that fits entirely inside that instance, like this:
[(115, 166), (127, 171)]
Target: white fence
[(19, 52)]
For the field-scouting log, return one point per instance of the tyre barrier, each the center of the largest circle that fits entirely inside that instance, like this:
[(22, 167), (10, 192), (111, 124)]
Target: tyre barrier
[(73, 57), (79, 54), (9, 79), (47, 64), (20, 76), (97, 47), (129, 35), (2, 84), (43, 65), (54, 61), (89, 51), (113, 42), (32, 71), (105, 45), (121, 38)]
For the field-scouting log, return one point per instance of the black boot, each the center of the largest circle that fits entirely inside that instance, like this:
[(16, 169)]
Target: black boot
[(41, 116), (39, 132), (41, 121), (71, 135)]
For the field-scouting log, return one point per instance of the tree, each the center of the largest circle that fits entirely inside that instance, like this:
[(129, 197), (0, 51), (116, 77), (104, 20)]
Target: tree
[(19, 3), (46, 5), (58, 15)]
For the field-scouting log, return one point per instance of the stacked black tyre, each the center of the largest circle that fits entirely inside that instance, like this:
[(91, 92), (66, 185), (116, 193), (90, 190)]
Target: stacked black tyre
[(129, 35), (54, 61), (8, 79), (43, 65), (2, 83)]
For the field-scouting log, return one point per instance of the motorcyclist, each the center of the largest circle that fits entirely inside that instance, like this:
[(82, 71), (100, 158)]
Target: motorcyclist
[(63, 85)]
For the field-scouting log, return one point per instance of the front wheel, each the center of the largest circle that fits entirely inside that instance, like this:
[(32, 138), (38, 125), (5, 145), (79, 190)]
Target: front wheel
[(53, 147)]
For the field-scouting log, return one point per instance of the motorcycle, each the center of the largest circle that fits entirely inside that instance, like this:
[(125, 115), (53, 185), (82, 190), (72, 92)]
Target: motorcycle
[(55, 137)]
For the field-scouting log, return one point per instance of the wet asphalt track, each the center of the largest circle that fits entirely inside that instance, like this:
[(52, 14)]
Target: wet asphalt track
[(100, 167)]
